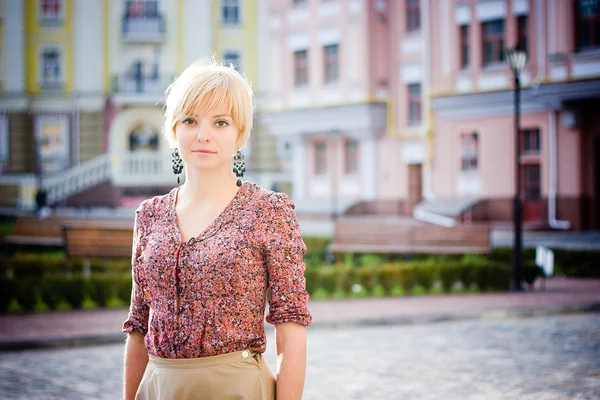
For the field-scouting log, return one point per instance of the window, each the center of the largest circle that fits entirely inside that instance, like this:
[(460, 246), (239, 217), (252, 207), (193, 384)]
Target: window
[(320, 158), (230, 10), (232, 57), (522, 32), (414, 104), (464, 46), (493, 41), (532, 182), (351, 156), (53, 134), (4, 143), (587, 24), (51, 68), (141, 8), (51, 11), (143, 137), (469, 151), (301, 67), (413, 15), (530, 141), (331, 57)]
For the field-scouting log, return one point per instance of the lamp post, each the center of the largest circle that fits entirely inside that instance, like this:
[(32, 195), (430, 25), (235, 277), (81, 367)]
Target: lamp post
[(516, 58)]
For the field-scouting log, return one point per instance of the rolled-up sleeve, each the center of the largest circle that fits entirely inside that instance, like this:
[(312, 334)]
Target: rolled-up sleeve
[(138, 310), (284, 252)]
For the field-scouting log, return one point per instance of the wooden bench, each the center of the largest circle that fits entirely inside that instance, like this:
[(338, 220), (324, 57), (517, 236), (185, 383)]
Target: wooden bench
[(98, 239), (37, 231), (403, 235)]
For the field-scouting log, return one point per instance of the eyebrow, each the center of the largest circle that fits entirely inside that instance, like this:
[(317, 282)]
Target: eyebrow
[(221, 115)]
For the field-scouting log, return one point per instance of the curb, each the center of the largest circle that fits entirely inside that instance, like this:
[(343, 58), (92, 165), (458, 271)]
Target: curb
[(492, 314)]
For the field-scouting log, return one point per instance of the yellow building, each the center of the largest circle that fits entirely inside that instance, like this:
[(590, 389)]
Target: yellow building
[(82, 88)]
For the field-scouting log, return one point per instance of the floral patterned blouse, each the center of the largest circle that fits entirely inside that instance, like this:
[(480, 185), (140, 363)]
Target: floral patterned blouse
[(207, 296)]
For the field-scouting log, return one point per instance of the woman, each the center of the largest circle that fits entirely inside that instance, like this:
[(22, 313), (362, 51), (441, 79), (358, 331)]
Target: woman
[(204, 256)]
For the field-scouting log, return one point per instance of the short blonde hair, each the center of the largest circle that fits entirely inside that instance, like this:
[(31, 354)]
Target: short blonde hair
[(204, 86)]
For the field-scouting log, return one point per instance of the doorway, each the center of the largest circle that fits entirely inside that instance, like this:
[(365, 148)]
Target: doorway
[(532, 199)]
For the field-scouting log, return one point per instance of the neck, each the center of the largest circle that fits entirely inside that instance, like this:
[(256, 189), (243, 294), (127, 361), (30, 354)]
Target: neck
[(207, 187)]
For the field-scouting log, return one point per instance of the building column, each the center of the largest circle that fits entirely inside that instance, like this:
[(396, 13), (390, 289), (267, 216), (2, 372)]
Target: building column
[(368, 162), (299, 166)]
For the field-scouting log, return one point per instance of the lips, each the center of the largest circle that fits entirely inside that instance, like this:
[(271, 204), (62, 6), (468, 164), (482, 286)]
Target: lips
[(202, 151)]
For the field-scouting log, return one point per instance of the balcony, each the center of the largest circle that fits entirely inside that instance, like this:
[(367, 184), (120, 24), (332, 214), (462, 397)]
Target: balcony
[(132, 89), (143, 29), (142, 168)]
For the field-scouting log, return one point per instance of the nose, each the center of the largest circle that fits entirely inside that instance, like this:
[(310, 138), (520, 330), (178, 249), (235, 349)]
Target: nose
[(203, 132)]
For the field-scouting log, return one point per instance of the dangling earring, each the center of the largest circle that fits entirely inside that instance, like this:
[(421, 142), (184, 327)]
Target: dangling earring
[(239, 167), (177, 164)]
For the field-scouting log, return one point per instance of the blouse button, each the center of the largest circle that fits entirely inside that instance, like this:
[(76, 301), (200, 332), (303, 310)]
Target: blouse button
[(180, 309), (245, 354)]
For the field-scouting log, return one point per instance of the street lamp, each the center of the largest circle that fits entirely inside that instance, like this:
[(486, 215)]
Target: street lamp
[(516, 59)]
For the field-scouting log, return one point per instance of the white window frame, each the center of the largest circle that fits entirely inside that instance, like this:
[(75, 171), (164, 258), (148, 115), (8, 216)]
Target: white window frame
[(51, 19), (231, 5), (237, 54), (4, 141), (57, 157), (327, 58), (61, 65)]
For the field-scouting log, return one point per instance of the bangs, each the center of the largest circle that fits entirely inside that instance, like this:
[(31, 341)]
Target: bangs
[(201, 89), (201, 102)]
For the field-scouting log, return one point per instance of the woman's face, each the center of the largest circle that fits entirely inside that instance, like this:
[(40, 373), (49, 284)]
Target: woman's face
[(207, 142)]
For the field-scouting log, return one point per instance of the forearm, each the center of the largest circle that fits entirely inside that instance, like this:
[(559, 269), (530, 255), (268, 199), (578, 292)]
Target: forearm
[(136, 359), (291, 363)]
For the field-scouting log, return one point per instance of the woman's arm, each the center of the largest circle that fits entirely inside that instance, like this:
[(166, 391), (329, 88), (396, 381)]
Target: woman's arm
[(136, 359), (290, 339)]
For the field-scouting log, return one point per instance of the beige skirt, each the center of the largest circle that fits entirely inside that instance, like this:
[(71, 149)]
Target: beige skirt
[(242, 375)]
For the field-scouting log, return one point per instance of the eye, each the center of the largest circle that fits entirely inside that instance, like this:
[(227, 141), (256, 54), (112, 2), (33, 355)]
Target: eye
[(222, 123), (188, 121)]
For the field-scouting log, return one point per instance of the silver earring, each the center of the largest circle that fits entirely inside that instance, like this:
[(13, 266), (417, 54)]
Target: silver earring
[(177, 164), (239, 167)]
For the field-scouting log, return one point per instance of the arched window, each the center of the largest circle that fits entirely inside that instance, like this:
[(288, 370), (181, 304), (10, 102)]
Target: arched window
[(143, 137)]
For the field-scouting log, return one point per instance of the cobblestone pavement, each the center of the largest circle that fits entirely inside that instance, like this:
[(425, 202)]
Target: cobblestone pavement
[(531, 358)]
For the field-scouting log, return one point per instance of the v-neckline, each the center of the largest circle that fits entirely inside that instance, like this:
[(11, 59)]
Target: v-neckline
[(215, 224)]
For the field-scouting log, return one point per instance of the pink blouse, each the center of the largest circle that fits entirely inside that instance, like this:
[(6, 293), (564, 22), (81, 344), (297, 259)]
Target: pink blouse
[(207, 296)]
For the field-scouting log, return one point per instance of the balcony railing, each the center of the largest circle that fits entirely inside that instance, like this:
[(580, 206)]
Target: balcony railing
[(142, 168), (143, 28), (128, 84)]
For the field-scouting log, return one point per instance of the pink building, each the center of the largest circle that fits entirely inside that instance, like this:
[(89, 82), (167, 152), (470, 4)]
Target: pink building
[(407, 107)]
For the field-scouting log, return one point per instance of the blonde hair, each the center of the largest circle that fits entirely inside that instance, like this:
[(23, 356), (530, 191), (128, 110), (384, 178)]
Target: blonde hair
[(204, 86)]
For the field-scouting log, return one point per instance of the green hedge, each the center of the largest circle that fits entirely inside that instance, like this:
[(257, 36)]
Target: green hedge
[(406, 277), (71, 290)]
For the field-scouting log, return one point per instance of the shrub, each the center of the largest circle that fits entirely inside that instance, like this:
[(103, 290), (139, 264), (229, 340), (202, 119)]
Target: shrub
[(407, 277), (494, 276), (311, 274), (425, 274), (7, 292), (74, 291), (370, 260), (316, 248), (367, 276), (26, 265), (52, 291), (28, 292), (101, 288), (124, 288), (328, 278), (119, 267), (389, 276), (448, 274), (347, 278)]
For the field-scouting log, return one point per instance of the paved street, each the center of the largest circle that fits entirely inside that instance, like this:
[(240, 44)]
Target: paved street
[(533, 358)]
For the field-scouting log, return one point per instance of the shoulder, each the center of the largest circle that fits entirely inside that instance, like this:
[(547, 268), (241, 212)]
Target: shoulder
[(269, 200), (154, 205)]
